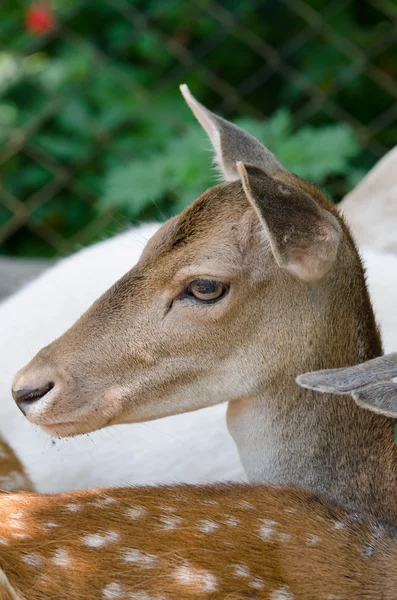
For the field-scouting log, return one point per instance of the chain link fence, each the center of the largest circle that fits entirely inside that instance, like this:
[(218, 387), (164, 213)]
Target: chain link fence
[(88, 86)]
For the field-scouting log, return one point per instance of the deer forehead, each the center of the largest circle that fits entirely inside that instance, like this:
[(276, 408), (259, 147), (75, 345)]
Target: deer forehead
[(219, 235)]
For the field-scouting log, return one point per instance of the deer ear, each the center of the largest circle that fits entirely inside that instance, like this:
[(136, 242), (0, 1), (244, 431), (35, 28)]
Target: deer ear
[(379, 398), (231, 143), (349, 379), (303, 236)]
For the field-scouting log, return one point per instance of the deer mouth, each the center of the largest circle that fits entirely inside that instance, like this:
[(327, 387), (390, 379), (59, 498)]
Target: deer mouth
[(62, 429), (73, 428)]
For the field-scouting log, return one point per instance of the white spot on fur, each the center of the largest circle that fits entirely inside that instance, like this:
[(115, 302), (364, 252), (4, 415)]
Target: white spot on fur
[(210, 502), (33, 559), (168, 509), (207, 525), (290, 510), (61, 558), (169, 522), (231, 521), (3, 452), (15, 520), (142, 596), (112, 590), (98, 540), (240, 570), (142, 559), (284, 537), (256, 583), (312, 539), (339, 525), (73, 507), (3, 541), (104, 501), (201, 580), (244, 505), (13, 481), (21, 536), (135, 512), (282, 593), (267, 529), (49, 526)]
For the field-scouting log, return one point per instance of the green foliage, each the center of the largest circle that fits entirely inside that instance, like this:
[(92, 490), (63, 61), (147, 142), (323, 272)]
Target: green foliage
[(91, 120), (171, 177)]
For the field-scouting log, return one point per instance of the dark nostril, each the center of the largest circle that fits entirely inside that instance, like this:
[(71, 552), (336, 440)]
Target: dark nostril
[(29, 395)]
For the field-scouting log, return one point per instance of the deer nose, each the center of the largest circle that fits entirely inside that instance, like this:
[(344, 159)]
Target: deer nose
[(26, 396)]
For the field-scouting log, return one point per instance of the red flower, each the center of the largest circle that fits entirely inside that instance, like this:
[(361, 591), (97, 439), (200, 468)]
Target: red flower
[(39, 18)]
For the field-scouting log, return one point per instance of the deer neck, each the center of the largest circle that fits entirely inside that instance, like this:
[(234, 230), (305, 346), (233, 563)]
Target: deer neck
[(321, 442)]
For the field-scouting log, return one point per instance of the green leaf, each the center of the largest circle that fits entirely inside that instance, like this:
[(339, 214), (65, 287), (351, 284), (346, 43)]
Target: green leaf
[(62, 147), (135, 186)]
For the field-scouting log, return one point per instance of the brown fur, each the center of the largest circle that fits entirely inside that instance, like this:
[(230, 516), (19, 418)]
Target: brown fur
[(222, 541), (12, 473)]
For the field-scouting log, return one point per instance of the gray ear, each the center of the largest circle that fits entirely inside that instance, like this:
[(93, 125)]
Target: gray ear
[(348, 379), (231, 143), (380, 398)]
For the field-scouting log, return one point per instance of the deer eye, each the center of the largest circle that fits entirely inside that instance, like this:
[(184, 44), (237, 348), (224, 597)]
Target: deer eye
[(206, 290)]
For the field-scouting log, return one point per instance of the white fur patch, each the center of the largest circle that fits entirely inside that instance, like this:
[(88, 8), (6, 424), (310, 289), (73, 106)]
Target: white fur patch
[(267, 529), (256, 583), (207, 525), (72, 507), (312, 539), (104, 501), (33, 559), (135, 512), (241, 570), (282, 593), (169, 522), (99, 540), (139, 558), (231, 521), (13, 481), (61, 558), (112, 590), (15, 520), (199, 579)]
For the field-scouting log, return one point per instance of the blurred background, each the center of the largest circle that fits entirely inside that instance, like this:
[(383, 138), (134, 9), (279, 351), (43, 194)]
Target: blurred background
[(94, 134)]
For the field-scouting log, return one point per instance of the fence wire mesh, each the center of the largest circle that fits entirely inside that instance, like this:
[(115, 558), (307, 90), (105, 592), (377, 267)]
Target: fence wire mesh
[(87, 86)]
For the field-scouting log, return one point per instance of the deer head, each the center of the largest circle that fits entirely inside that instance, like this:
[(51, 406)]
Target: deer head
[(372, 384), (255, 282)]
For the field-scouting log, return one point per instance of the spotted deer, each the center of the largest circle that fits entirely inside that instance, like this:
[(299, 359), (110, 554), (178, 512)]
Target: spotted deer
[(216, 541), (12, 473), (241, 541), (256, 282)]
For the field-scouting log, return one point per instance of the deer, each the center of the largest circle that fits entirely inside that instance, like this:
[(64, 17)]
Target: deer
[(217, 541), (222, 540), (135, 453), (173, 449), (256, 282), (12, 473)]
